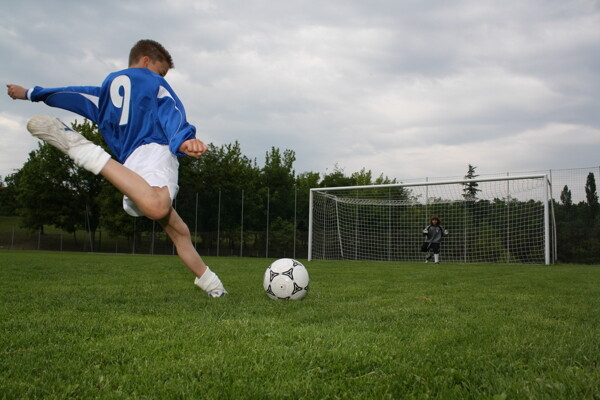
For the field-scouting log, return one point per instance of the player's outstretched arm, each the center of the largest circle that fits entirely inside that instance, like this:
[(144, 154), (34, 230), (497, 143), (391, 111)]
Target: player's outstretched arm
[(16, 92)]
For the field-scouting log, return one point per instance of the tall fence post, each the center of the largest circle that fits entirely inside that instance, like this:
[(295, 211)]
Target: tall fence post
[(465, 231), (508, 219), (89, 226), (242, 227), (295, 224), (173, 243), (267, 241), (196, 224), (134, 235), (152, 240), (219, 222)]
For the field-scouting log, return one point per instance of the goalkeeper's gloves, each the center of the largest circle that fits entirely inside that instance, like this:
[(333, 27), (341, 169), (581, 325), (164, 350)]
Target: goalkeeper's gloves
[(446, 232), (425, 231)]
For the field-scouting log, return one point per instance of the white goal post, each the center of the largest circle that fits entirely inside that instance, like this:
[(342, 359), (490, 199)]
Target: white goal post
[(505, 219)]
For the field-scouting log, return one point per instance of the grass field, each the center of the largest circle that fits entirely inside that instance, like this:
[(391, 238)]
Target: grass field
[(118, 327)]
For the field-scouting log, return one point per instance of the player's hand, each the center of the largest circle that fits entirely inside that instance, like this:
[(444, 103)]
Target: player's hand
[(193, 148), (16, 92), (425, 231), (446, 232)]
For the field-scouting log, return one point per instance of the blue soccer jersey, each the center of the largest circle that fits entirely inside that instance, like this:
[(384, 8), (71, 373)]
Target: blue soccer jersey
[(133, 107)]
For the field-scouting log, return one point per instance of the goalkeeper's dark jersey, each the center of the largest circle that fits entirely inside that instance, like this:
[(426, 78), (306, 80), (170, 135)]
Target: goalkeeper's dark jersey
[(133, 107), (434, 234)]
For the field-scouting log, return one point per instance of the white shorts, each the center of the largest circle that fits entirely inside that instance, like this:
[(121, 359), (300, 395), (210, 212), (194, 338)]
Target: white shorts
[(158, 166)]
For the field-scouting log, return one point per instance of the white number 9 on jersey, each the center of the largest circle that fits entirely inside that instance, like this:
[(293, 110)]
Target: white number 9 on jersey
[(121, 100)]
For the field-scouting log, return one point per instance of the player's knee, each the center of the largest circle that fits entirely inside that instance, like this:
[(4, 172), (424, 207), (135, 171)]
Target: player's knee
[(159, 213), (158, 205), (157, 209)]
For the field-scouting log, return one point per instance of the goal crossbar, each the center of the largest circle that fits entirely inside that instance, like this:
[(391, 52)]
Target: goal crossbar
[(431, 183)]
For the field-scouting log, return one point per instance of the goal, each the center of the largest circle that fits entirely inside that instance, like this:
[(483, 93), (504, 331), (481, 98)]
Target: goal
[(507, 219)]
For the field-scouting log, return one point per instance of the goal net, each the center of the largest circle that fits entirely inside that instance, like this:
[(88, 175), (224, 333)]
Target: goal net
[(488, 220)]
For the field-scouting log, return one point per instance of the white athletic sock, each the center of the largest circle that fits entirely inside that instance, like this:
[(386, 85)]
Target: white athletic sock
[(209, 281), (436, 257), (89, 156)]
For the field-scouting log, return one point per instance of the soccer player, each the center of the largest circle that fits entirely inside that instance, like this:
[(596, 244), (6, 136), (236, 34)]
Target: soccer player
[(144, 124), (434, 233)]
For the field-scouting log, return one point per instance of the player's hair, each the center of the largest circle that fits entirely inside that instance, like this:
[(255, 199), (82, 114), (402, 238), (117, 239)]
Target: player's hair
[(434, 218), (152, 49)]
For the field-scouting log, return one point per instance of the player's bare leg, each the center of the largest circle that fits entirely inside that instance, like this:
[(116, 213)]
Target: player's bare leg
[(153, 202), (179, 233)]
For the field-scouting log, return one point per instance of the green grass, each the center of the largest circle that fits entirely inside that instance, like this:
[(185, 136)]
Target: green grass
[(118, 326)]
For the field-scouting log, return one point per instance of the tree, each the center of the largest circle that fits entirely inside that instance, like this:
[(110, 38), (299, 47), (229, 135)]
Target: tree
[(278, 178), (365, 177), (384, 180), (51, 190), (565, 197), (222, 170), (8, 203), (116, 221), (362, 177), (470, 189), (44, 191), (304, 182), (337, 178), (88, 186), (590, 194)]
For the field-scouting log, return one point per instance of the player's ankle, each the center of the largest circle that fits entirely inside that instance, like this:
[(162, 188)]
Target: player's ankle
[(210, 283)]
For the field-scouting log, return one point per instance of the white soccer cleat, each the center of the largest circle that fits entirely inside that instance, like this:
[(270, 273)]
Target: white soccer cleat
[(52, 131), (211, 284), (217, 293), (84, 153)]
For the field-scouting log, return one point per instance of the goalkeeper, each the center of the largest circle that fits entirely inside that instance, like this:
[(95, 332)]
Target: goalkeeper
[(434, 233)]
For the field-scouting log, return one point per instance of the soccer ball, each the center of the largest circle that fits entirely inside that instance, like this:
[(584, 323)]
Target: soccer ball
[(286, 279)]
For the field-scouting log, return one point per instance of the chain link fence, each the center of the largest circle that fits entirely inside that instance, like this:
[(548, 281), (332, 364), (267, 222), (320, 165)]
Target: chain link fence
[(237, 242)]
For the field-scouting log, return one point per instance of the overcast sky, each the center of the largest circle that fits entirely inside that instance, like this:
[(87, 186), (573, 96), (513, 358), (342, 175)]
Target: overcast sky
[(409, 89)]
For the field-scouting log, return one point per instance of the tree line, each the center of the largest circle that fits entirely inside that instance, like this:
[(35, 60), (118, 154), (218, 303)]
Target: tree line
[(49, 190)]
